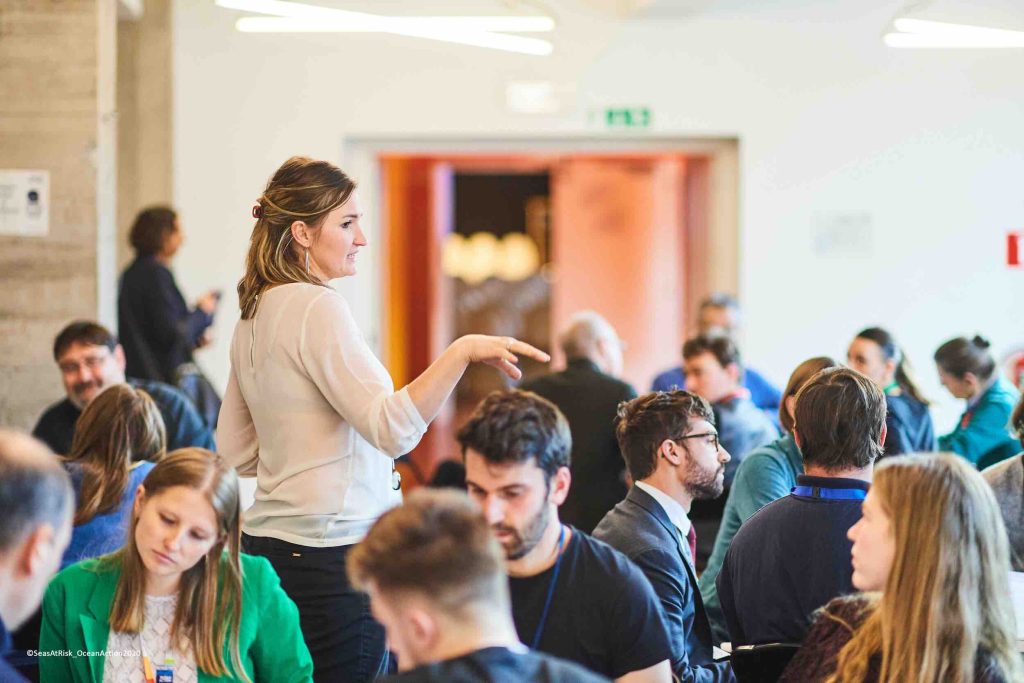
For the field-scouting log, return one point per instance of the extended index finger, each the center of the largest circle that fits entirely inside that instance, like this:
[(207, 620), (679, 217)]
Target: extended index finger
[(524, 349)]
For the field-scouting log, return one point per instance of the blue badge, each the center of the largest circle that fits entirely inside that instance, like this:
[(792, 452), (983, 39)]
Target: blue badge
[(165, 676)]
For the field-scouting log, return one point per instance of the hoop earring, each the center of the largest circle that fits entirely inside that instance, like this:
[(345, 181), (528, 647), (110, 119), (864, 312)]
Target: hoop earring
[(307, 260)]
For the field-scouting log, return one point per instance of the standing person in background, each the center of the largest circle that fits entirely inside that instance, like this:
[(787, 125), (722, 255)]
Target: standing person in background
[(588, 393), (720, 314), (875, 354), (311, 412), (930, 555), (968, 370), (37, 504), (766, 474), (158, 329), (1007, 481)]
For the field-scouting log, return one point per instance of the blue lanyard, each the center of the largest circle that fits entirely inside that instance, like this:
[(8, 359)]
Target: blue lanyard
[(829, 494), (551, 593)]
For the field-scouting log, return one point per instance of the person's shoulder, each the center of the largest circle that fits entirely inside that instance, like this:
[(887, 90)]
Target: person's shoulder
[(771, 455), (87, 572), (1002, 394), (598, 558), (258, 574), (159, 391), (1004, 473), (768, 517), (59, 410), (844, 614), (555, 670)]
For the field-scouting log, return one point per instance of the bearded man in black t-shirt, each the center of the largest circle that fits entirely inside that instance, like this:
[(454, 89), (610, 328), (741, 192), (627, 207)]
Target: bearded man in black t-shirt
[(572, 596), (437, 583)]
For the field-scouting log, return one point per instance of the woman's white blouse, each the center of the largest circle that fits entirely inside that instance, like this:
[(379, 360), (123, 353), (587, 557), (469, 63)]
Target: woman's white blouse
[(313, 414)]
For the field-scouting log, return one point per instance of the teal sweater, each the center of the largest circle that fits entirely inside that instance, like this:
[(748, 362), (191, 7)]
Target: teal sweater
[(76, 618), (983, 433), (766, 474)]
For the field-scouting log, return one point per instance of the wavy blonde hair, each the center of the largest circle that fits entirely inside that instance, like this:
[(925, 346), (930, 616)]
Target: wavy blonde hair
[(120, 427), (303, 189), (209, 609), (944, 605)]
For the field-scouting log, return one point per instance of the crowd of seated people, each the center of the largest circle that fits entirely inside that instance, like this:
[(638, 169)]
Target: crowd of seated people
[(854, 560)]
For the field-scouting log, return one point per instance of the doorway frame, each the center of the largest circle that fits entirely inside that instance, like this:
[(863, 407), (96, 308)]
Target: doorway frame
[(716, 161)]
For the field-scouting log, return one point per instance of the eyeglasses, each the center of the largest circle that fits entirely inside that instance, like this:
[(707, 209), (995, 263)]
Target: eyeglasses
[(712, 438), (92, 362)]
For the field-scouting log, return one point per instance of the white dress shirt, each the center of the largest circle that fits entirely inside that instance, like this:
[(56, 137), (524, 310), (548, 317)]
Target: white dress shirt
[(676, 513)]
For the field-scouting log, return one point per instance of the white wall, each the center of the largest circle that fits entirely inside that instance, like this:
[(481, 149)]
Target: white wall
[(928, 144)]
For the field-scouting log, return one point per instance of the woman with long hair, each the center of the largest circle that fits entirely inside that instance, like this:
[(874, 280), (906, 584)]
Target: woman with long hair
[(178, 602), (312, 413), (931, 554), (909, 429), (968, 370), (766, 474), (118, 439)]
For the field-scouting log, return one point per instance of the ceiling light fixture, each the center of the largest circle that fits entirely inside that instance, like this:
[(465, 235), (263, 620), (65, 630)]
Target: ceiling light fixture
[(479, 31), (921, 33)]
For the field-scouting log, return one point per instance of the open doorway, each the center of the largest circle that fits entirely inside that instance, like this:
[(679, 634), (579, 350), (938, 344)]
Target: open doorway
[(636, 231)]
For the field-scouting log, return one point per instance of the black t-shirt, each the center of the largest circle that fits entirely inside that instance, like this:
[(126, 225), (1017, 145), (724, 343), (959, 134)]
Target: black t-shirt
[(499, 665), (604, 613)]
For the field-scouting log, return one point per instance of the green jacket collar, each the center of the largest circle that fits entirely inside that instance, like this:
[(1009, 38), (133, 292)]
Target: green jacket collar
[(96, 621)]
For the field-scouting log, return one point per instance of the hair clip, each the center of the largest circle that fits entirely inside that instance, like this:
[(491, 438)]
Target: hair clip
[(257, 211)]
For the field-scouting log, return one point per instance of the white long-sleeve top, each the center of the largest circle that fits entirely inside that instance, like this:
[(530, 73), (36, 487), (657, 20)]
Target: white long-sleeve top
[(313, 414)]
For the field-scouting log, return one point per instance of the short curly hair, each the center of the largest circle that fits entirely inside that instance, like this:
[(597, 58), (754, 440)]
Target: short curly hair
[(514, 426), (645, 422)]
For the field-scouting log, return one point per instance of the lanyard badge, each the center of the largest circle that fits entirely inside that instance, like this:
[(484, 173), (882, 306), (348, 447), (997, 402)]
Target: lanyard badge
[(159, 674)]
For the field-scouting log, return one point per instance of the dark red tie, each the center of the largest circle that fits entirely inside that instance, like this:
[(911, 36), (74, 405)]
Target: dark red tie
[(691, 538)]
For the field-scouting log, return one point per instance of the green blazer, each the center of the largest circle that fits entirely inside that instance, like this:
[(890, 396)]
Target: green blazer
[(983, 433), (76, 618)]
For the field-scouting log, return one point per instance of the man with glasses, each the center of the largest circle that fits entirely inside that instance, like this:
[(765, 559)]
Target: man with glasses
[(671, 448), (90, 360)]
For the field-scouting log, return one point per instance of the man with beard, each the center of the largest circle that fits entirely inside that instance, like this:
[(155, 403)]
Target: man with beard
[(572, 596), (90, 360), (793, 555), (671, 448)]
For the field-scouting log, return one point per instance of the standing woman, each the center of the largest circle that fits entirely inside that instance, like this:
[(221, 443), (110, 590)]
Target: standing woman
[(158, 330), (312, 413), (875, 354), (930, 552), (968, 370)]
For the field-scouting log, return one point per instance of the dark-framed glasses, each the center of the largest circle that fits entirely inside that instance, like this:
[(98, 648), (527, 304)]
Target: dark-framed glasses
[(712, 438)]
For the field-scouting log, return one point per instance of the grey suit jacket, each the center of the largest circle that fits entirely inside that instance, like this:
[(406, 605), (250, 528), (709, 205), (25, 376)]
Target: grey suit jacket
[(640, 528)]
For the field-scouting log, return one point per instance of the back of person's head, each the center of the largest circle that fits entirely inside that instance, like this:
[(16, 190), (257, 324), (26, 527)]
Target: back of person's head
[(36, 500), (84, 332), (644, 423), (891, 351), (120, 427), (590, 336), (961, 356), (438, 548), (209, 597), (803, 372), (151, 229), (839, 418), (302, 189), (1017, 420), (512, 427), (944, 607), (720, 346)]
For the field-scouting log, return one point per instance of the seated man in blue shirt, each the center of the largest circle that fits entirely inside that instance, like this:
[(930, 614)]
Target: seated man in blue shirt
[(793, 555), (720, 314), (90, 360)]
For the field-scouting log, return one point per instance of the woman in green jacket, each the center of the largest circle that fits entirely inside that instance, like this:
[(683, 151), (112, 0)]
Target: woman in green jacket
[(968, 371), (179, 602)]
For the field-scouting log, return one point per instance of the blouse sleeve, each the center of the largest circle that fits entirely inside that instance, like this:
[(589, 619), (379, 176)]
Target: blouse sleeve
[(236, 433), (352, 379)]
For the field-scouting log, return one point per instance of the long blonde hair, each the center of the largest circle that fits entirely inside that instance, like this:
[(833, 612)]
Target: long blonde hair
[(945, 603), (118, 428), (303, 189), (209, 608)]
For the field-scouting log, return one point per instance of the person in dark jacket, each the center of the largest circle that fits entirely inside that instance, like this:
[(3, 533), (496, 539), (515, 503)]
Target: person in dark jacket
[(158, 329), (588, 393), (90, 360), (875, 354), (669, 441)]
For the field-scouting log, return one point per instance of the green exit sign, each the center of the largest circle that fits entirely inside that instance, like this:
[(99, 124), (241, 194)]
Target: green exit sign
[(627, 117)]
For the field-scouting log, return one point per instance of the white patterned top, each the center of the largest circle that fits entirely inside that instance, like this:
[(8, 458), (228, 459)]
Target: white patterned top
[(124, 650)]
